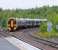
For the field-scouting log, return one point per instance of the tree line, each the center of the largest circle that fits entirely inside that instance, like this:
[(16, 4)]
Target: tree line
[(50, 13)]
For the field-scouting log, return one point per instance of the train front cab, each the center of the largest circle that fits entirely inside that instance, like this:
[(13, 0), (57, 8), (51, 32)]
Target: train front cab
[(11, 24)]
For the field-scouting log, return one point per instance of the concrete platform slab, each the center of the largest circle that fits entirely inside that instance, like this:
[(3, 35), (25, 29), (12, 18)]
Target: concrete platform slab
[(20, 44), (5, 45)]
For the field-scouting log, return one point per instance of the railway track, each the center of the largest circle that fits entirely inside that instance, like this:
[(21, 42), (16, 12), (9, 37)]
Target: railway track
[(46, 42), (24, 35), (4, 33)]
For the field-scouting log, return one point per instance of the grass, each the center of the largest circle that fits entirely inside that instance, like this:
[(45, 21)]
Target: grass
[(47, 35)]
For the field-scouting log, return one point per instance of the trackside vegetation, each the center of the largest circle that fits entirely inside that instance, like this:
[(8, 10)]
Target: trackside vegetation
[(45, 12)]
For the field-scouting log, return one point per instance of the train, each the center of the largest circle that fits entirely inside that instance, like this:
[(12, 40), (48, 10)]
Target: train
[(17, 23)]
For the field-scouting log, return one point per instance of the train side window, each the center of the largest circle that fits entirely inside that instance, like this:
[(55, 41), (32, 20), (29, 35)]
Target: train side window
[(27, 22), (37, 22)]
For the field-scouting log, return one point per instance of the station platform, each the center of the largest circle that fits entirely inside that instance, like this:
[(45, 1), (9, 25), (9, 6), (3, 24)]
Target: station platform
[(5, 45), (11, 43)]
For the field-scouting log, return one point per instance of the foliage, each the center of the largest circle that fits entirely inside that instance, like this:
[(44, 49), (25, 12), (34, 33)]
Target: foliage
[(51, 13), (47, 35), (43, 27)]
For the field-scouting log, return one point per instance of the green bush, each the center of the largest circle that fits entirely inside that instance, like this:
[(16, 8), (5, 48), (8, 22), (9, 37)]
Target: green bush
[(51, 13), (43, 27)]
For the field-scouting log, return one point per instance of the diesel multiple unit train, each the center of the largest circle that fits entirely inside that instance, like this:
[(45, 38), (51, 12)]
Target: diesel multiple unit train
[(15, 23)]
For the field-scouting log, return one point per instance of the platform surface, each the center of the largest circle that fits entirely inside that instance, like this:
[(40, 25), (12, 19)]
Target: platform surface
[(20, 44), (5, 45), (11, 43)]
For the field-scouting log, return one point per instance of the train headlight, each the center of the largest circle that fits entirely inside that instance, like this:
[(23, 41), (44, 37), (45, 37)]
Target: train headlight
[(9, 29), (14, 28)]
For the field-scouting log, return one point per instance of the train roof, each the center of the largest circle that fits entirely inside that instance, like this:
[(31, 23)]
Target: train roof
[(27, 19)]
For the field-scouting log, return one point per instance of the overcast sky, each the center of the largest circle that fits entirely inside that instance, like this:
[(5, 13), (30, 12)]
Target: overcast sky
[(25, 4)]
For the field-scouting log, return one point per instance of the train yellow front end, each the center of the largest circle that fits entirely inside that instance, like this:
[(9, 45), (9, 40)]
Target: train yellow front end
[(11, 24)]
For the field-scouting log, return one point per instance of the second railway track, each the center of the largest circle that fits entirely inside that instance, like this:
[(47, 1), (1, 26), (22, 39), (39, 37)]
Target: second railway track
[(24, 35)]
